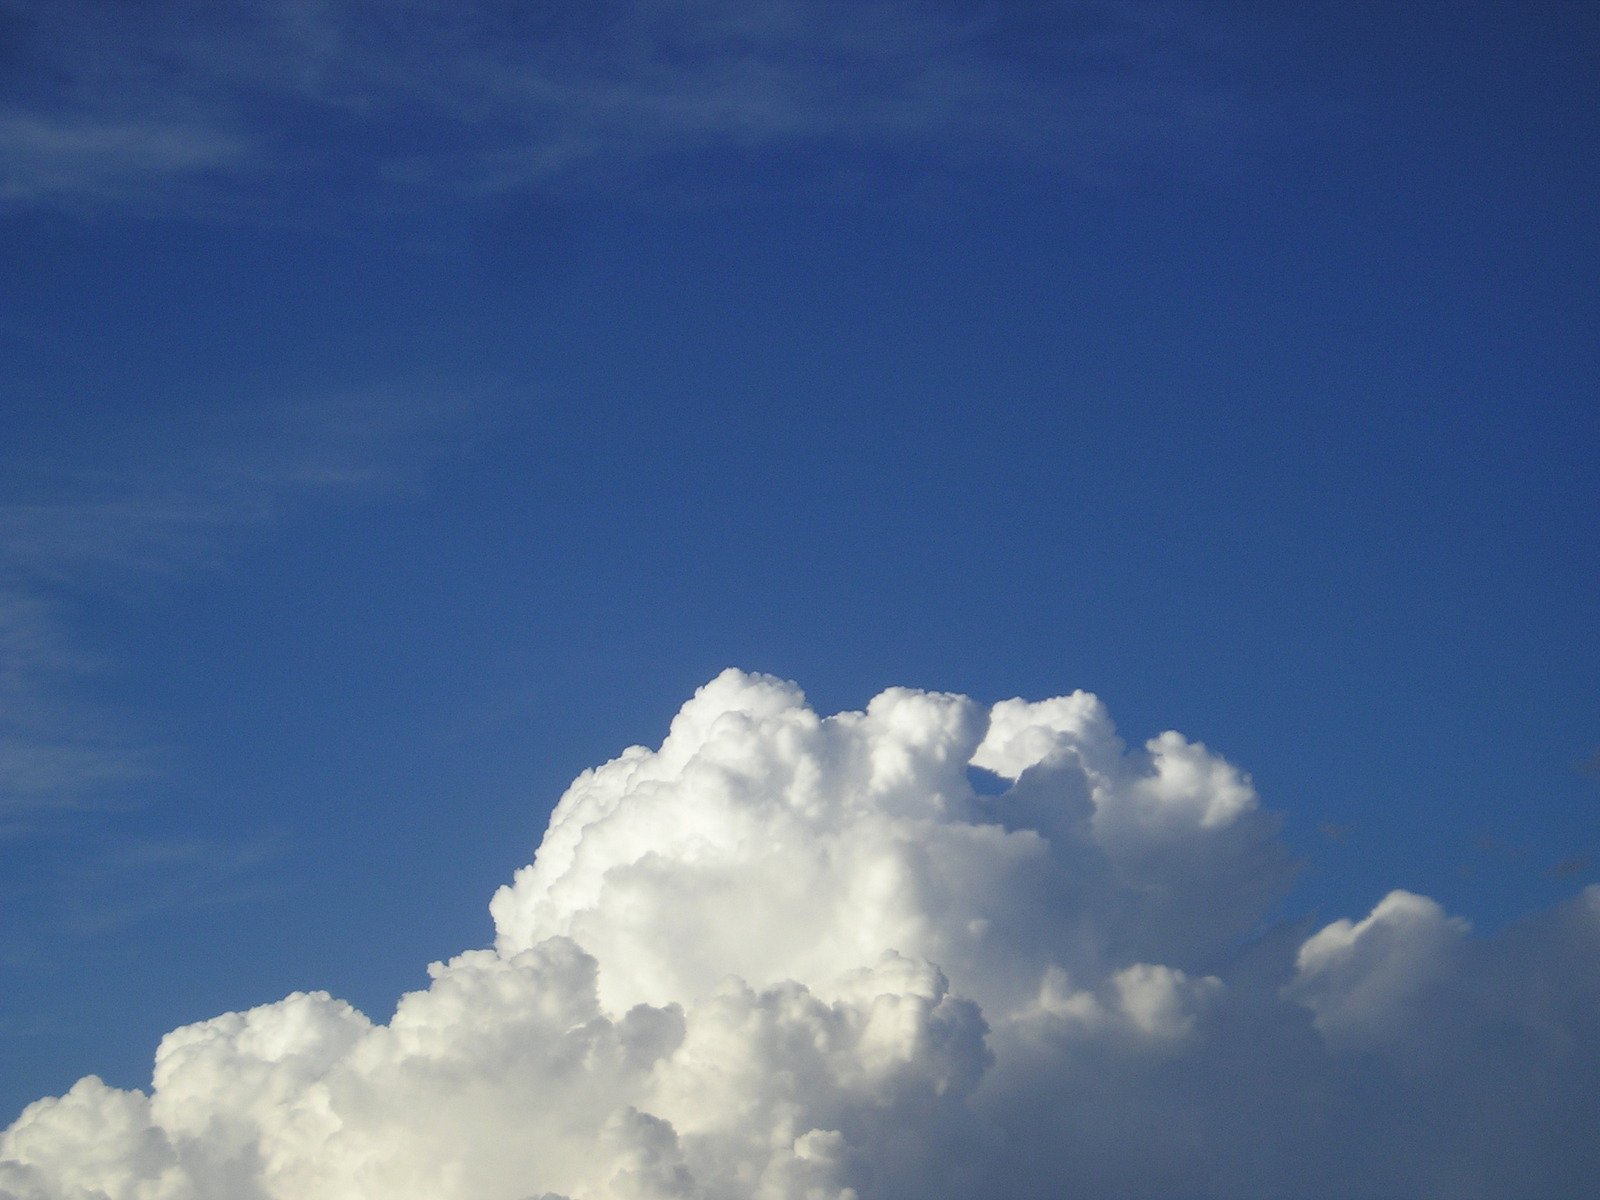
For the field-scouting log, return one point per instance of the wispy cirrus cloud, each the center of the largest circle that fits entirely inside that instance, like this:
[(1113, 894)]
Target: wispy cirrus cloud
[(54, 750), (124, 881), (76, 158), (75, 534), (419, 100), (83, 852)]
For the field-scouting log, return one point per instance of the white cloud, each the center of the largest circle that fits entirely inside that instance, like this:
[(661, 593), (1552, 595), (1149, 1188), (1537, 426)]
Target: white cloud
[(798, 958), (1360, 978)]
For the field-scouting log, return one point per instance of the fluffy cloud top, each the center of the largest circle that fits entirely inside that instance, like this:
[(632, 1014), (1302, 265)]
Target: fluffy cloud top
[(788, 957)]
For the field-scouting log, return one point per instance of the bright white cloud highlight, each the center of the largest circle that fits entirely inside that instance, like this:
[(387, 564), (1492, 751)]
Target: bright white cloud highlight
[(791, 957)]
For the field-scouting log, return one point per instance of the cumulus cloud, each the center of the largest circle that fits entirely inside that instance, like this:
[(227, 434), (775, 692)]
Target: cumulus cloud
[(791, 957)]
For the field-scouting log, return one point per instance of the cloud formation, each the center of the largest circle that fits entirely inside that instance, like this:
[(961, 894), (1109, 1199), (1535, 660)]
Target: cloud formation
[(180, 104), (791, 957), (98, 529)]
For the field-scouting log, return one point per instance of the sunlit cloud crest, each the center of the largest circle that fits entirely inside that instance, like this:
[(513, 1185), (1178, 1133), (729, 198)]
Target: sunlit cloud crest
[(799, 957)]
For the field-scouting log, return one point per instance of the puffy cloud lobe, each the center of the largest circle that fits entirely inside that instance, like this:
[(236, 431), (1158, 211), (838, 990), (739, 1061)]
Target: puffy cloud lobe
[(791, 957), (1360, 978)]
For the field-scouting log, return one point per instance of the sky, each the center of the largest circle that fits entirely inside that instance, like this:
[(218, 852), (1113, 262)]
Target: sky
[(406, 407)]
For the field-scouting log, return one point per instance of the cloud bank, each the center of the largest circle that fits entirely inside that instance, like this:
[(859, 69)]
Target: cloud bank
[(789, 957)]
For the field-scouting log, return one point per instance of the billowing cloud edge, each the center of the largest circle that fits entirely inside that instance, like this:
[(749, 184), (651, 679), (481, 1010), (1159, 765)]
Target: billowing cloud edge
[(795, 957)]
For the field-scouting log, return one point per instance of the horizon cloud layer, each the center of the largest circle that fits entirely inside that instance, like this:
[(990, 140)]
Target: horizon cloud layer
[(794, 957)]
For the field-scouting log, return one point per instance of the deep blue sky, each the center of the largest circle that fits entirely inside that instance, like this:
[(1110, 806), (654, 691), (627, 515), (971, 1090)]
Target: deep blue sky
[(403, 407)]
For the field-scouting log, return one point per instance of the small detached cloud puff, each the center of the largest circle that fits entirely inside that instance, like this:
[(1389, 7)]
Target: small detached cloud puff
[(789, 957)]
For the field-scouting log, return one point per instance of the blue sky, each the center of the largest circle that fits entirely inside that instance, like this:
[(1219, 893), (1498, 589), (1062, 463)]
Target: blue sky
[(404, 407)]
